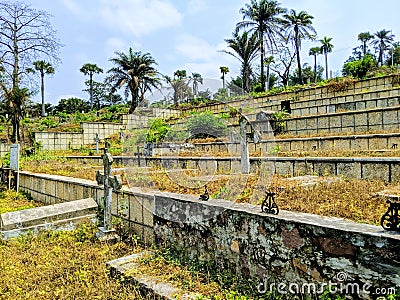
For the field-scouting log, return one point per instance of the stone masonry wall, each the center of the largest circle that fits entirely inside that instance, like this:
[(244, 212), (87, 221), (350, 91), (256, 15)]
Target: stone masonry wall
[(288, 249)]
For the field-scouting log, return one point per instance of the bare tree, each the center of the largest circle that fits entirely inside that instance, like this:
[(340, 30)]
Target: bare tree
[(283, 62), (26, 36)]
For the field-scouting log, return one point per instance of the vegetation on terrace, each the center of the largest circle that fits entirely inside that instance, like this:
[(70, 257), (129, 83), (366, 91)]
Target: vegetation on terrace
[(345, 198)]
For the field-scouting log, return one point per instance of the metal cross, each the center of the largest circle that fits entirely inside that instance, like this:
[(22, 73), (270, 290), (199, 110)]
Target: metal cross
[(138, 154), (110, 182)]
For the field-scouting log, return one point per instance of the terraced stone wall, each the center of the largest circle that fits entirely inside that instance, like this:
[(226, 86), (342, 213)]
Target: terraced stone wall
[(276, 252)]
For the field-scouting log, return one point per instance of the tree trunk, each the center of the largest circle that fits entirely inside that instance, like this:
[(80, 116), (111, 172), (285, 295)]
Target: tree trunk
[(42, 91), (326, 64), (298, 55), (262, 61), (315, 68)]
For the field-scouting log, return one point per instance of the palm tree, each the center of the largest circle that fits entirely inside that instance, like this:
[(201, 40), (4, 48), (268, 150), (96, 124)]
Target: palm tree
[(90, 69), (179, 87), (364, 37), (298, 27), (314, 51), (224, 71), (262, 19), (44, 68), (196, 78), (15, 99), (382, 41), (326, 48), (136, 72), (245, 47)]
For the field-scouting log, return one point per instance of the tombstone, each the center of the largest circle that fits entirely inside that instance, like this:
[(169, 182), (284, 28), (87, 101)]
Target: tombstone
[(14, 163), (109, 182), (97, 141)]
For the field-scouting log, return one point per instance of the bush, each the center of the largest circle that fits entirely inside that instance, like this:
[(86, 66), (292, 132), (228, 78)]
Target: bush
[(360, 68), (157, 131), (206, 125)]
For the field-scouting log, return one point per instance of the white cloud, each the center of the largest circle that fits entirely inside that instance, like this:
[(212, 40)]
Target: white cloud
[(202, 57), (139, 17), (115, 44), (195, 48), (73, 7), (196, 6)]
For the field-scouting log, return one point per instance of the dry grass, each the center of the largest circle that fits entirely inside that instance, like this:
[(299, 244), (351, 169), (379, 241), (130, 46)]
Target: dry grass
[(12, 201), (60, 265), (350, 199)]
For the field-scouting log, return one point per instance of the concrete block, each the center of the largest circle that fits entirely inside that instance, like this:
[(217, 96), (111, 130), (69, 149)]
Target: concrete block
[(374, 171)]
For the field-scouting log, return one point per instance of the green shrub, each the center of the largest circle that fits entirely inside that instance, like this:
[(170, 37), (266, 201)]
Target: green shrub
[(206, 125), (360, 68), (157, 131)]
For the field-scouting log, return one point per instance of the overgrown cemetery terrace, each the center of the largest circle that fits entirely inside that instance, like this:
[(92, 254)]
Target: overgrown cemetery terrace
[(331, 158)]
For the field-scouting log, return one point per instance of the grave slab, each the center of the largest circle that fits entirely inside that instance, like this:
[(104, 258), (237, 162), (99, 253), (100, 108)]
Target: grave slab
[(47, 217)]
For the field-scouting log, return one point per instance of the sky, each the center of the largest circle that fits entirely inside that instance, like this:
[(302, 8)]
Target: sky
[(188, 34)]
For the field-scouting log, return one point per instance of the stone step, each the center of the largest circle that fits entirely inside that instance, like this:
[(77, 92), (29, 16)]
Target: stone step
[(148, 285)]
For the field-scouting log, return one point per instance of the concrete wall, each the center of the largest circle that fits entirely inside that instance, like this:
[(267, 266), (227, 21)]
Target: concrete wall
[(367, 142), (291, 248), (4, 148), (371, 168), (102, 129), (384, 119), (68, 140), (59, 140), (362, 90)]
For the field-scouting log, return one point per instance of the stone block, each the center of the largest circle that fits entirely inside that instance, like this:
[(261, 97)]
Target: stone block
[(348, 169), (334, 122), (324, 169), (375, 171), (375, 118), (359, 143), (284, 168)]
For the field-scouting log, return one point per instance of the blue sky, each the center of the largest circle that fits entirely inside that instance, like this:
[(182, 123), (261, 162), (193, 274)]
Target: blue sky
[(188, 34)]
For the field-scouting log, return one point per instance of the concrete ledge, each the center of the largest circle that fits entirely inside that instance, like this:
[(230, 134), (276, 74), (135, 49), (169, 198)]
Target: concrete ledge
[(150, 286), (38, 216)]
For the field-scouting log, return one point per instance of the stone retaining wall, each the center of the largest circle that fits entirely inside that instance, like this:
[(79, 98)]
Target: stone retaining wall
[(367, 142), (370, 168), (356, 89), (59, 140), (277, 251), (383, 119)]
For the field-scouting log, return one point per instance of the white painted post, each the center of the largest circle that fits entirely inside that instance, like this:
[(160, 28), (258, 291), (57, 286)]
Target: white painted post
[(14, 162)]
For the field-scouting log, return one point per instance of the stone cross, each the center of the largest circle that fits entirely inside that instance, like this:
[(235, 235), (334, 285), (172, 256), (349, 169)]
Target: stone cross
[(110, 182), (244, 146), (97, 140)]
